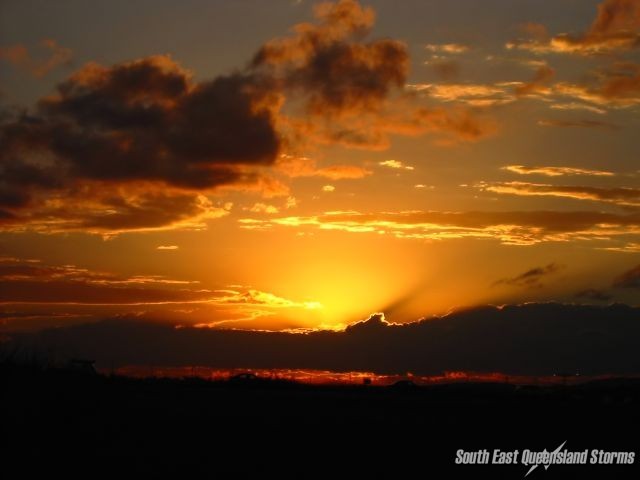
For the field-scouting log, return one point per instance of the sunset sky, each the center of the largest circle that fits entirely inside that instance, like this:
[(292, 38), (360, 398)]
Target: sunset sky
[(292, 164)]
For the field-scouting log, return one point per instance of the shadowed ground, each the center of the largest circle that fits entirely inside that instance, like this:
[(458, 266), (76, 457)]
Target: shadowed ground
[(63, 421)]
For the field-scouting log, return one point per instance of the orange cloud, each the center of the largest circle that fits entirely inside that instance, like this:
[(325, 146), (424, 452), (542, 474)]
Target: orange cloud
[(542, 77), (555, 171), (622, 196), (508, 227), (451, 48), (53, 56), (294, 166), (578, 123), (66, 294), (616, 27)]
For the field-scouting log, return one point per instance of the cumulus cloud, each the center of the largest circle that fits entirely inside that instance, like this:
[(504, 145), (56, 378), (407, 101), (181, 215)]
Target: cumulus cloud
[(615, 28), (555, 171), (508, 227), (532, 278), (350, 90), (110, 137), (146, 126)]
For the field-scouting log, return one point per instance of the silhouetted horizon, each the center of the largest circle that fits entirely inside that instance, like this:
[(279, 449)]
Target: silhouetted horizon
[(528, 339)]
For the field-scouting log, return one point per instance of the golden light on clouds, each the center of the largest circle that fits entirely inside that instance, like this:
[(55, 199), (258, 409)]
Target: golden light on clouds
[(308, 177)]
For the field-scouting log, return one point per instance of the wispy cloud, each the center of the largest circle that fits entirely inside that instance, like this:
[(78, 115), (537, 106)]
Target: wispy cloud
[(579, 124), (532, 278), (508, 227), (623, 196), (555, 171)]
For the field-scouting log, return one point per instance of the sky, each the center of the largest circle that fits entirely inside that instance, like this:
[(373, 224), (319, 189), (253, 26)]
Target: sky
[(292, 165)]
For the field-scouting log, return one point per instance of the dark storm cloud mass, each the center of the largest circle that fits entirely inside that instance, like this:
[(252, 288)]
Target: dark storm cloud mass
[(531, 339)]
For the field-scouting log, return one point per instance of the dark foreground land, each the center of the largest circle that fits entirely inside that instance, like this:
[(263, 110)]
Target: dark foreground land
[(56, 421)]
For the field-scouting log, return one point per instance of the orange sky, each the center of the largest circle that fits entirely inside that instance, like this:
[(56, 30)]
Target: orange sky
[(339, 160)]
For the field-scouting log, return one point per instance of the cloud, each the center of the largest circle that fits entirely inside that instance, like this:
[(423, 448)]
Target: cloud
[(507, 227), (475, 95), (167, 247), (146, 130), (631, 247), (578, 123), (616, 86), (294, 167), (109, 212), (615, 28), (264, 208), (538, 84), (351, 91), (51, 56), (395, 164), (628, 279), (450, 48), (555, 171), (530, 339), (70, 294), (622, 196), (531, 278), (578, 106), (334, 72), (328, 188), (594, 294)]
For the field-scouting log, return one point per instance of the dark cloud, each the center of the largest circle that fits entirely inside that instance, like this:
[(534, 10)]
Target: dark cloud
[(629, 279), (146, 126), (594, 294), (531, 278), (352, 91), (35, 283), (531, 339), (147, 120)]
